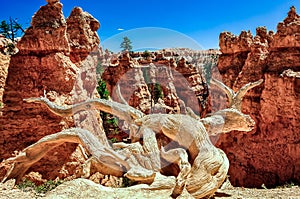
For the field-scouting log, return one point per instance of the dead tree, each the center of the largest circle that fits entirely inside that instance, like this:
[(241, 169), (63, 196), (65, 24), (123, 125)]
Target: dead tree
[(202, 166)]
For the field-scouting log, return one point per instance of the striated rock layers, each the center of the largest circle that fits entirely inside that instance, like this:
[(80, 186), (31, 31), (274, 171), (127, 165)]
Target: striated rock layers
[(178, 78), (123, 71), (270, 154), (50, 59)]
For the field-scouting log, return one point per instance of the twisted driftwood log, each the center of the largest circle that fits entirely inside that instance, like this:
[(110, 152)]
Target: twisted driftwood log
[(202, 166)]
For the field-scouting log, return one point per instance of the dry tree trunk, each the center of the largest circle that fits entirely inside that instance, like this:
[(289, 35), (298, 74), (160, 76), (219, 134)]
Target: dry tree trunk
[(203, 167), (110, 161)]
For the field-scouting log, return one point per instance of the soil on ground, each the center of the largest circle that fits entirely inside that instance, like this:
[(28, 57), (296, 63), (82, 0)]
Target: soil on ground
[(9, 191)]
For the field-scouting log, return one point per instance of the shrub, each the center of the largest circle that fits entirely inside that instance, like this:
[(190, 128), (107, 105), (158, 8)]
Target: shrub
[(48, 186), (113, 140), (146, 54), (44, 188), (102, 89), (127, 182), (156, 91), (110, 123)]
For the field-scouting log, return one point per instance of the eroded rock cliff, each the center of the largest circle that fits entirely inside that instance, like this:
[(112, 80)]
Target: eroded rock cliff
[(179, 77), (270, 154), (49, 61), (4, 62)]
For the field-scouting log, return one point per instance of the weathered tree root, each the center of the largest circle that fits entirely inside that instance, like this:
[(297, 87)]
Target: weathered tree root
[(108, 160), (203, 167)]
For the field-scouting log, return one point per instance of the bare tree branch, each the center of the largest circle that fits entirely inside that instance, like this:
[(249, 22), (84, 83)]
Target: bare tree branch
[(235, 99)]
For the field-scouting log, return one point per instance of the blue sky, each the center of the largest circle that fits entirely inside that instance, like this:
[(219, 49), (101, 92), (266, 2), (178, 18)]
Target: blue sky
[(200, 21)]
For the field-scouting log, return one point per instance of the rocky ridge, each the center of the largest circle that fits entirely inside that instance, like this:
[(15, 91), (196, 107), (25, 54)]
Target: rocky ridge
[(270, 153), (179, 73)]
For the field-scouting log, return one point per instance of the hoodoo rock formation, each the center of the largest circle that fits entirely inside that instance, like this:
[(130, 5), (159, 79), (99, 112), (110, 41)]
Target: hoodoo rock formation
[(180, 77), (56, 58), (270, 154), (49, 61), (123, 71)]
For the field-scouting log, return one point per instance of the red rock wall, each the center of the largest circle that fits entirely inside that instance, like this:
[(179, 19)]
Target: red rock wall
[(183, 84), (122, 71), (270, 154), (6, 51), (4, 62), (43, 64)]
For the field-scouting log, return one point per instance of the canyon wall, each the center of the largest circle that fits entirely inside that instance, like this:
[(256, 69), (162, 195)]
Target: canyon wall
[(179, 76), (49, 62), (55, 58), (269, 154)]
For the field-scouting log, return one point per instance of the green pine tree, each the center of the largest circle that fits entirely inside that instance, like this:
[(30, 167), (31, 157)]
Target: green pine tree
[(11, 29), (4, 29), (126, 44)]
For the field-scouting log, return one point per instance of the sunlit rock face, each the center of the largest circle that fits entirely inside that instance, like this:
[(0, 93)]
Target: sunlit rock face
[(82, 35), (49, 60), (178, 72), (4, 62), (270, 153)]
